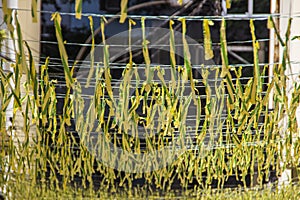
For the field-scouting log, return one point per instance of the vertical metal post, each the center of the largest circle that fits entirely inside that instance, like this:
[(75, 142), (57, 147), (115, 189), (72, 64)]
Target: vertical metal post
[(250, 7)]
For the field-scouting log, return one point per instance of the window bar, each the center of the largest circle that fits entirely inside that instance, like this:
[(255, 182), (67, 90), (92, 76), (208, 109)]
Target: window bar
[(250, 7)]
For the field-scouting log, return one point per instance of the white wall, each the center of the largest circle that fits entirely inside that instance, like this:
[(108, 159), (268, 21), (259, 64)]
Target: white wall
[(30, 33), (30, 30), (288, 8), (291, 8)]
